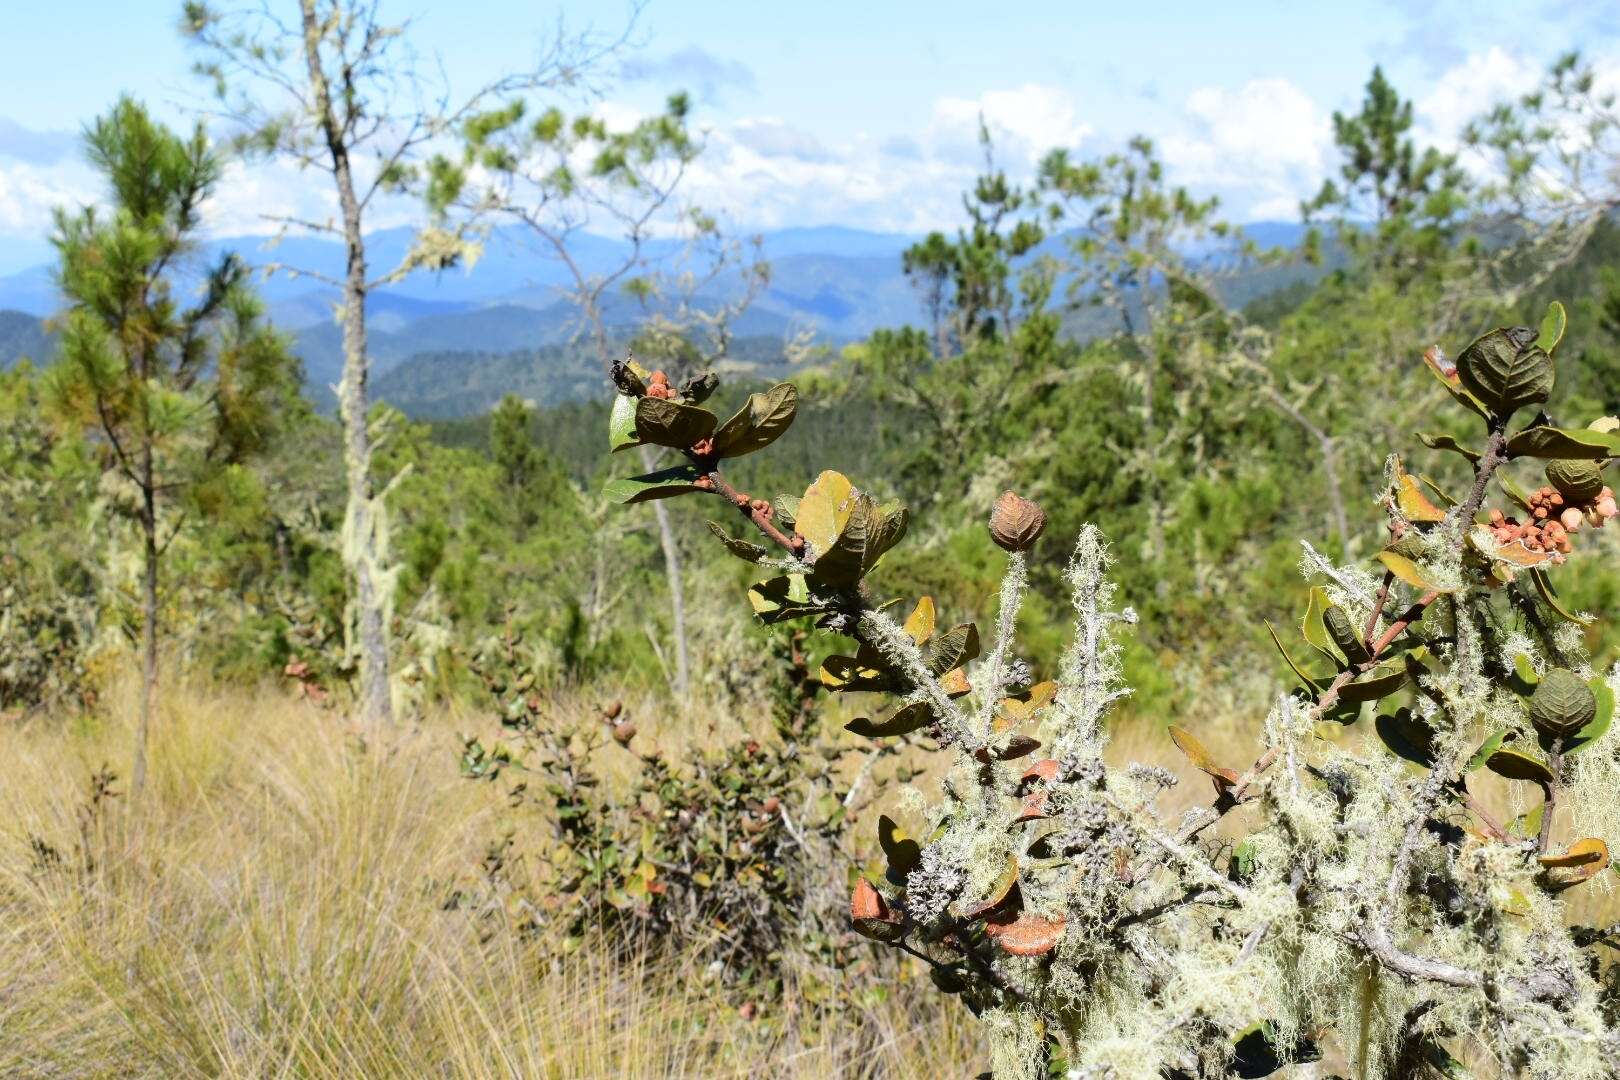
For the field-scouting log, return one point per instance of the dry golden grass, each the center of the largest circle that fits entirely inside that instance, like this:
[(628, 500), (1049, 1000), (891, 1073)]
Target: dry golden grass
[(275, 908)]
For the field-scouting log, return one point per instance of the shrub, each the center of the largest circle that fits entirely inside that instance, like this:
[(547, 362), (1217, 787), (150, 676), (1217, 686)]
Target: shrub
[(722, 852), (1362, 895)]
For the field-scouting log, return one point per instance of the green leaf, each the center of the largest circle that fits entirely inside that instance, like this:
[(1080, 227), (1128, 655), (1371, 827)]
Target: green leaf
[(760, 422), (662, 422), (1518, 765), (781, 598), (1599, 725), (1581, 444), (887, 530), (1345, 635), (1505, 371), (1312, 626), (1407, 737), (1240, 868), (1523, 678), (1446, 442), (1492, 743), (698, 388), (844, 562), (1513, 490), (1313, 682), (744, 550), (663, 484), (903, 721), (867, 532), (622, 424), (1544, 587), (824, 511), (1529, 823), (1380, 682), (1552, 328), (866, 671)]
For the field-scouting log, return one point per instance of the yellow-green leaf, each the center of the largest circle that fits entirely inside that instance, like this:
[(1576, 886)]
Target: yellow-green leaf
[(920, 623), (1199, 755), (1552, 327), (1409, 572), (824, 510)]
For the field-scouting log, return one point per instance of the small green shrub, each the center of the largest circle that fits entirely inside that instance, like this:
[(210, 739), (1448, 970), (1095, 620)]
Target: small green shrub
[(723, 851)]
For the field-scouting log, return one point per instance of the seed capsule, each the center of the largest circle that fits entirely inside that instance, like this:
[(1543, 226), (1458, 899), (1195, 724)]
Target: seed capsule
[(1015, 522)]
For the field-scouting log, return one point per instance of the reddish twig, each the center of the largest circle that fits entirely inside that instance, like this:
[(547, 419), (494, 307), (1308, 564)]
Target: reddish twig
[(1495, 830), (1550, 807), (1377, 610), (760, 517)]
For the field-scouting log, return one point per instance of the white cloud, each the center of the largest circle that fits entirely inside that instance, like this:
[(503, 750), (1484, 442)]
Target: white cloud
[(1025, 123), (769, 174), (28, 194), (1262, 147), (1467, 89)]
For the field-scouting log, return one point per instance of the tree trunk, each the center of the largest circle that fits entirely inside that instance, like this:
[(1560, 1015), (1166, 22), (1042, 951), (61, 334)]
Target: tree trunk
[(364, 543), (365, 540), (149, 614), (677, 594)]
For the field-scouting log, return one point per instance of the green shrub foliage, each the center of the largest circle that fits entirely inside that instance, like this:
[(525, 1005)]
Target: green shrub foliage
[(1355, 894), (723, 849)]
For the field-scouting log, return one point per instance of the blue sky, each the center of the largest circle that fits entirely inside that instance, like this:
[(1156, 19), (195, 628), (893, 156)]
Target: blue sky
[(862, 113)]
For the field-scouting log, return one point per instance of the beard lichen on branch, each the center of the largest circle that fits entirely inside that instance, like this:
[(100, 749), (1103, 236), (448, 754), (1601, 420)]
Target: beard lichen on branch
[(1358, 898)]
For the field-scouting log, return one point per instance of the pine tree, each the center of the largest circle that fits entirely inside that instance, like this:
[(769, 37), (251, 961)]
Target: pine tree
[(178, 386)]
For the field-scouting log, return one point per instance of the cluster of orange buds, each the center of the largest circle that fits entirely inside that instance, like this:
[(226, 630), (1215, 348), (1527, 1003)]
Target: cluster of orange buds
[(1553, 520), (1541, 535), (1548, 504), (658, 386)]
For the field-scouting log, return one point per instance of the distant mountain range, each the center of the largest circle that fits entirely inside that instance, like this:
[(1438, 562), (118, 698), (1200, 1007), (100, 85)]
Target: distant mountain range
[(481, 328)]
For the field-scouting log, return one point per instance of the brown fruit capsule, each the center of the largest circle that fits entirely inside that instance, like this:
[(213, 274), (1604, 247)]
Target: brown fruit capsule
[(623, 732), (1015, 522), (613, 710)]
